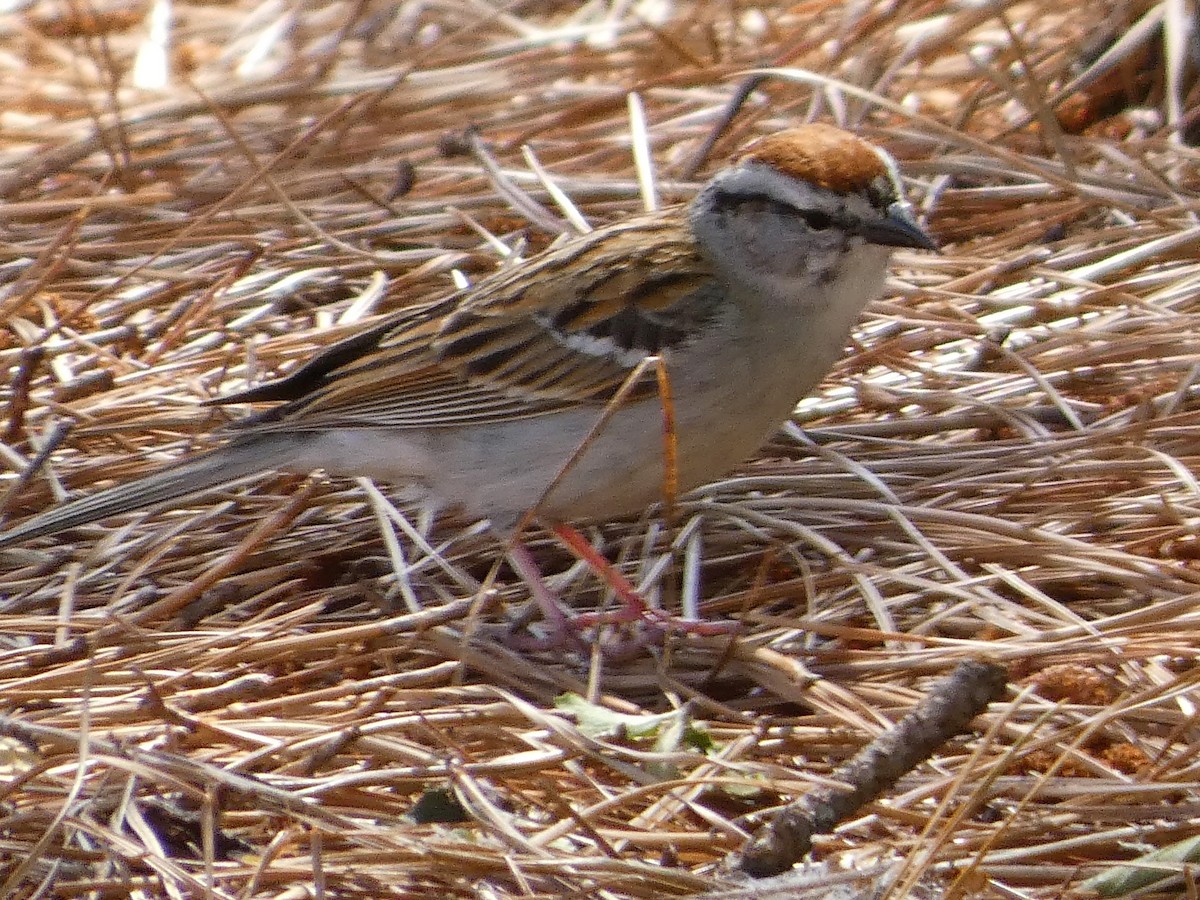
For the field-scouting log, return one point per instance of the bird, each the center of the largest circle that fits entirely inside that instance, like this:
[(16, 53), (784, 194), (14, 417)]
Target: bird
[(538, 391)]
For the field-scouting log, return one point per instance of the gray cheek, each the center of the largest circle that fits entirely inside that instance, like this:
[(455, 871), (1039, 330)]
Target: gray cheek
[(789, 249), (833, 267)]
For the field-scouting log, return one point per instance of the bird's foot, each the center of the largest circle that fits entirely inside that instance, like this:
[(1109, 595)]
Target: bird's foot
[(566, 631)]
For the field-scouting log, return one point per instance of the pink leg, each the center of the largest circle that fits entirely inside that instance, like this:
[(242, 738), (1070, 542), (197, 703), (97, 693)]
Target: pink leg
[(561, 632), (565, 629), (634, 607)]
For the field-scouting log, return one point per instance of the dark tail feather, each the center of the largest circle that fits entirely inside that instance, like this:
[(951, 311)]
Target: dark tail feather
[(216, 468)]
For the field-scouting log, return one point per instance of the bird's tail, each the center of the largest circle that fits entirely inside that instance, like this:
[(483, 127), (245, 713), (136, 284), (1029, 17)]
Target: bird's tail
[(225, 465)]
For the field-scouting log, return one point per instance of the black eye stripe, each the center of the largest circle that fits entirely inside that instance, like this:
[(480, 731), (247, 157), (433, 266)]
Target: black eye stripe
[(817, 220)]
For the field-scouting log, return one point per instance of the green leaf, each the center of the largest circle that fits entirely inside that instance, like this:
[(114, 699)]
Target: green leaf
[(670, 731), (1145, 870)]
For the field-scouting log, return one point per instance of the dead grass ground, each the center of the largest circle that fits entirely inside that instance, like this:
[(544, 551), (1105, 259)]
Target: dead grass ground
[(247, 696)]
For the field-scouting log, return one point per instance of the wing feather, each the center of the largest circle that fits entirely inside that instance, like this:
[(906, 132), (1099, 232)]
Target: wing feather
[(561, 330)]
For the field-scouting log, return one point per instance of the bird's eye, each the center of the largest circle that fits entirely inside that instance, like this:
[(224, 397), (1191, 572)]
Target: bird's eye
[(817, 221)]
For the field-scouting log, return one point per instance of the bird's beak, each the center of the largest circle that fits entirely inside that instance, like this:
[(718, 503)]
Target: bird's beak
[(897, 229)]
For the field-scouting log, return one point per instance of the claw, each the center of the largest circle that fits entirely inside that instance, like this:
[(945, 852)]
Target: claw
[(565, 630)]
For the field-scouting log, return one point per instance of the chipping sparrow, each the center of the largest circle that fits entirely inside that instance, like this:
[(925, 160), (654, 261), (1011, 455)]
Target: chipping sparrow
[(748, 294)]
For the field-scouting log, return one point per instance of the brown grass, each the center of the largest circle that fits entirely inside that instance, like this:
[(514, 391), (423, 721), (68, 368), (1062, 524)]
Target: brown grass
[(246, 696)]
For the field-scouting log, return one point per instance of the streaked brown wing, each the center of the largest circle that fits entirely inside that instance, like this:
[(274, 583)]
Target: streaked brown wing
[(563, 329)]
